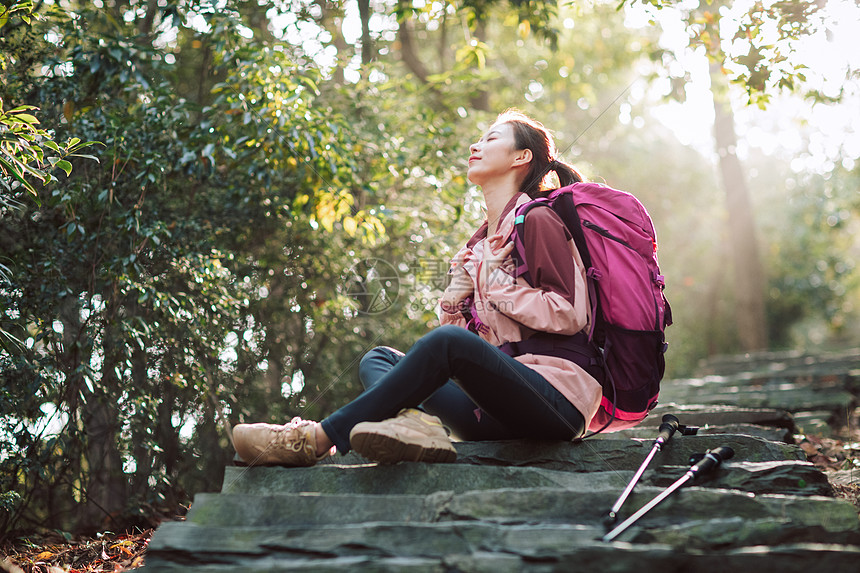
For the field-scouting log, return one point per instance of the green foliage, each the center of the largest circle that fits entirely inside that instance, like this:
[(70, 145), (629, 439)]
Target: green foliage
[(759, 54), (129, 283), (255, 223), (812, 261), (23, 148), (22, 9), (201, 272), (28, 153)]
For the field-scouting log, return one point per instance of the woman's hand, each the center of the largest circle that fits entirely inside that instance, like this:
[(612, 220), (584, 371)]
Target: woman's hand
[(459, 289), (497, 250)]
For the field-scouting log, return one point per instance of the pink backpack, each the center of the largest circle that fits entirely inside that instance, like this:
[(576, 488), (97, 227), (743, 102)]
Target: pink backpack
[(616, 240)]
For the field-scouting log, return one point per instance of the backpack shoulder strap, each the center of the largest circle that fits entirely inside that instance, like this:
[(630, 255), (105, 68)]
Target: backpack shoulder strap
[(563, 203), (519, 252)]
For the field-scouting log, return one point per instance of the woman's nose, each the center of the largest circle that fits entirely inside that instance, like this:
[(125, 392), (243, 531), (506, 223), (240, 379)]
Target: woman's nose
[(474, 147)]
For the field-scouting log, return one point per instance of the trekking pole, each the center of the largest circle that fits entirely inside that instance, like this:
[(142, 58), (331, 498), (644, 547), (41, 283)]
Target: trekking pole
[(669, 426), (711, 460)]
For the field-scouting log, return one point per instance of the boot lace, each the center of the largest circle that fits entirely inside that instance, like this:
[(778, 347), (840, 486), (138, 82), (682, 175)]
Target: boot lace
[(293, 438)]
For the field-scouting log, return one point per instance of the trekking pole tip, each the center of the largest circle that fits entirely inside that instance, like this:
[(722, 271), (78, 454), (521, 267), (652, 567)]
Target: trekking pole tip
[(609, 520)]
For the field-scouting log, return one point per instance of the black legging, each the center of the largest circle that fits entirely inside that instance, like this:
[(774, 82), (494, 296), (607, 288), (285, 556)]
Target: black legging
[(478, 391)]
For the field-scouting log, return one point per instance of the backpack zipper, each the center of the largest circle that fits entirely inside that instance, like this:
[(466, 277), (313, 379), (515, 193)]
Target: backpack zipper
[(601, 231)]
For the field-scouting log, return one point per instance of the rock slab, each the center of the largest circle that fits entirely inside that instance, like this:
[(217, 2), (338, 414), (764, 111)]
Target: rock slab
[(541, 506)]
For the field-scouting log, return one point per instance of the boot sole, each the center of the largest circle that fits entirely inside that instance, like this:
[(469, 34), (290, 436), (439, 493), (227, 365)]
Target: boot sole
[(387, 449)]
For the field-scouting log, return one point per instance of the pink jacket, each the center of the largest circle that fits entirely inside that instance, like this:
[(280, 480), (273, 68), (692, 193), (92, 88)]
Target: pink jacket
[(513, 310)]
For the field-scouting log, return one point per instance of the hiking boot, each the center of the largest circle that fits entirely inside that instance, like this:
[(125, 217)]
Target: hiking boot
[(292, 444), (413, 436)]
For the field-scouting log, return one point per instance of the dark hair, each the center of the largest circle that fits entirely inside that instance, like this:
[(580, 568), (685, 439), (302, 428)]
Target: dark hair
[(531, 134)]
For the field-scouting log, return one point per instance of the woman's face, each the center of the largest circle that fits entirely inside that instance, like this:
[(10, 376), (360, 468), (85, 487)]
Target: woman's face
[(493, 155)]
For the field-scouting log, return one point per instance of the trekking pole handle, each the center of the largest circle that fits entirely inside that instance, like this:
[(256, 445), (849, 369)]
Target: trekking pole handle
[(712, 459), (667, 428), (670, 425)]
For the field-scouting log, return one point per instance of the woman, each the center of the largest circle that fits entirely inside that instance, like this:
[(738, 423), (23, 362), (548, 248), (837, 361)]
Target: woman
[(467, 374)]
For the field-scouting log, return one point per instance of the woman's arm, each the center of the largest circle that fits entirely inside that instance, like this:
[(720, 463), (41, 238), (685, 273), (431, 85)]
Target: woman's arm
[(459, 290)]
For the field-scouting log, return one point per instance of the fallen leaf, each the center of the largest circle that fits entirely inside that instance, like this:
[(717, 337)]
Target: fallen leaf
[(808, 448)]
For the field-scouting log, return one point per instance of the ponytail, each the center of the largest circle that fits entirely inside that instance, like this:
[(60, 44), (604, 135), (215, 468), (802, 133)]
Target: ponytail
[(538, 184), (567, 174)]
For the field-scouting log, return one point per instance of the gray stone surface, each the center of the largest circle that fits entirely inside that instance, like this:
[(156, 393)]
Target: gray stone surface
[(381, 539), (608, 454), (839, 362), (693, 414), (514, 507), (773, 434), (782, 476), (540, 506), (785, 477), (438, 540), (553, 506), (764, 392), (408, 478)]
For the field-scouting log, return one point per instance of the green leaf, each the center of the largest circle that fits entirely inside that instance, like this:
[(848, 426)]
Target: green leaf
[(72, 147), (65, 166), (38, 173), (19, 176), (93, 157), (27, 118), (51, 144)]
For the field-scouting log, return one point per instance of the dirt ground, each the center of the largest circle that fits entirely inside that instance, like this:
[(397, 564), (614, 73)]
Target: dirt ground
[(52, 552)]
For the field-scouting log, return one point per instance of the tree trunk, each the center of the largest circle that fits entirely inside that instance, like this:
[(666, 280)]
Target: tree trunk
[(407, 46), (101, 465), (444, 51), (145, 27), (481, 100), (106, 484), (368, 53), (749, 282), (331, 19)]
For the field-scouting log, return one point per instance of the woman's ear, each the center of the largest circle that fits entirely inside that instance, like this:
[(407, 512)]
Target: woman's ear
[(522, 157)]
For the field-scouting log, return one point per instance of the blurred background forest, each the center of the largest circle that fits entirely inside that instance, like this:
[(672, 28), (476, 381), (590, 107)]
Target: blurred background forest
[(210, 209)]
